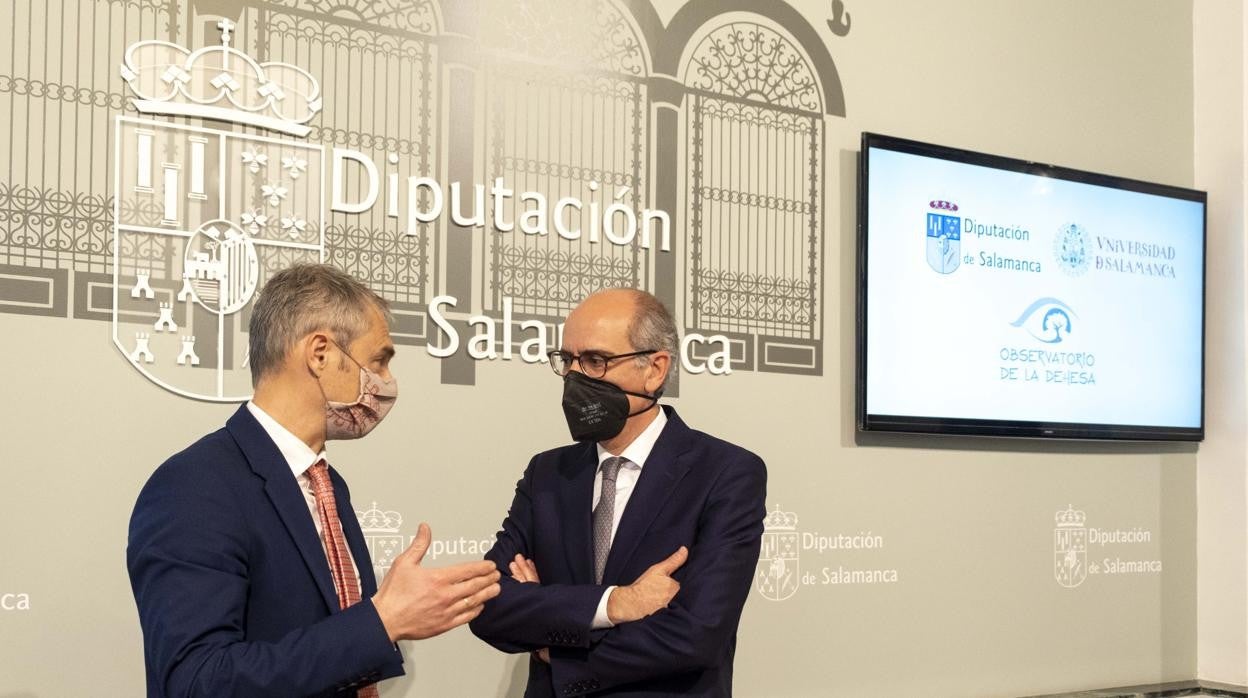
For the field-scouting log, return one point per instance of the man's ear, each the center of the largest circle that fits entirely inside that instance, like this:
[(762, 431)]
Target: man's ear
[(660, 364), (314, 350)]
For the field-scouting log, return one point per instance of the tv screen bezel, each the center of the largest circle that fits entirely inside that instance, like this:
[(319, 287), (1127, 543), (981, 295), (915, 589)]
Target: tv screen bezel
[(1011, 428)]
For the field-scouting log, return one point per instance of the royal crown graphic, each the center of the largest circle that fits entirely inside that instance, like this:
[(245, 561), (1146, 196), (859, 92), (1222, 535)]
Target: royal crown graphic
[(221, 83), (1069, 517), (780, 521), (203, 215), (377, 521)]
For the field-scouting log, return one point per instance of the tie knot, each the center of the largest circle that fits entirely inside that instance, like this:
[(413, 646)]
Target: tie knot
[(319, 475), (610, 467)]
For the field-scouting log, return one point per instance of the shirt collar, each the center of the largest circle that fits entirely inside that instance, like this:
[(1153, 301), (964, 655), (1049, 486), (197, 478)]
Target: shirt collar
[(297, 453), (639, 450)]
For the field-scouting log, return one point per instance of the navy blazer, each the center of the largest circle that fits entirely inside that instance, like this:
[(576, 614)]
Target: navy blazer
[(694, 490), (233, 587)]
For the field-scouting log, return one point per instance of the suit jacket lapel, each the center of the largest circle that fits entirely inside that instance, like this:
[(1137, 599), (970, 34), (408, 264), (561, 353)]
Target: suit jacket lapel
[(576, 499), (283, 490), (662, 471)]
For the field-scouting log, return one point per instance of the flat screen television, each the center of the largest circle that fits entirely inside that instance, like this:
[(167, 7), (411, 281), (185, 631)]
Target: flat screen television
[(1000, 297)]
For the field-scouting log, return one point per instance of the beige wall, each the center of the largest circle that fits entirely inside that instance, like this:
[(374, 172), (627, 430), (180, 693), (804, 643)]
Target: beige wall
[(967, 525), (1222, 530)]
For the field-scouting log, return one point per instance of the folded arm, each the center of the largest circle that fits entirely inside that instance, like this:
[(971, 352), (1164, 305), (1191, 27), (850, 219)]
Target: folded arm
[(527, 617), (693, 632)]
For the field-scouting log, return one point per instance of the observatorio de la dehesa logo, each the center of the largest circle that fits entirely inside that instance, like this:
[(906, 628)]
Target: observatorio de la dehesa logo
[(1048, 320), (201, 215), (1080, 551), (779, 573), (1048, 356)]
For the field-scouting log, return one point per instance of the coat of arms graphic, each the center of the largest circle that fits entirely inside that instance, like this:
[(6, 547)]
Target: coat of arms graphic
[(944, 237), (203, 216), (1070, 548), (777, 575), (381, 532)]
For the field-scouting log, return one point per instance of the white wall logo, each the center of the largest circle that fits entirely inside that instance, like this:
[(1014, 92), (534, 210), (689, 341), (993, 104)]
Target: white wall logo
[(381, 534), (778, 575), (14, 602), (1080, 551), (1070, 548), (201, 216), (385, 541)]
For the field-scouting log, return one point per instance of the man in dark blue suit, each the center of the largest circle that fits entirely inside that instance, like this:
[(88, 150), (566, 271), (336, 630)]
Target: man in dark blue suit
[(646, 534), (248, 566)]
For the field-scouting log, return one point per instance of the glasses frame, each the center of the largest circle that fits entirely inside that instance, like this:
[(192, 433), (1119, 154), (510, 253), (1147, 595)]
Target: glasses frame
[(569, 358)]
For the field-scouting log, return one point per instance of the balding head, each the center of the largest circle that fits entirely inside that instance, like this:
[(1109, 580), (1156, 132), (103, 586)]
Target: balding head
[(635, 316)]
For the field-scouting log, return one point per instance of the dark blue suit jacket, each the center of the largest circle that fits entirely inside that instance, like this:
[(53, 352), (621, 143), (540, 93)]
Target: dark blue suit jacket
[(233, 586), (694, 490)]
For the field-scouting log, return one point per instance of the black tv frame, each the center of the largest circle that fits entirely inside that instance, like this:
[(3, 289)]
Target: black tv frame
[(1012, 428)]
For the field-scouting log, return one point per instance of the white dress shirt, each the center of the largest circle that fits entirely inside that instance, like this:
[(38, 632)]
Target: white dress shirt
[(299, 457), (635, 455)]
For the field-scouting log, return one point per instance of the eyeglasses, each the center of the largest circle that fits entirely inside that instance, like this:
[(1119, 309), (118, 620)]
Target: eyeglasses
[(593, 364)]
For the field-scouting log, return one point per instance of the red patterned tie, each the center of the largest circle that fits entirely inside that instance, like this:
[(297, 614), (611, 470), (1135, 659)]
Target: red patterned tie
[(346, 583)]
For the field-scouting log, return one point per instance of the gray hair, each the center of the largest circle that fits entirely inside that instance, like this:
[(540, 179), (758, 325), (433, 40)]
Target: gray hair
[(653, 327), (303, 299)]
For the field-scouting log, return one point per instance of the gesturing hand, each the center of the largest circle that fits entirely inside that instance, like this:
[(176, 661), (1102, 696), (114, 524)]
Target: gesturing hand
[(416, 602), (653, 590)]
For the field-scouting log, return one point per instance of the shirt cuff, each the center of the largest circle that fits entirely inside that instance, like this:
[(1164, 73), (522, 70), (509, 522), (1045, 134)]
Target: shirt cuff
[(601, 620)]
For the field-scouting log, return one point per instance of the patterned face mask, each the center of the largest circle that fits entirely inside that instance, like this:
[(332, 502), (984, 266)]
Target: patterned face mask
[(351, 420)]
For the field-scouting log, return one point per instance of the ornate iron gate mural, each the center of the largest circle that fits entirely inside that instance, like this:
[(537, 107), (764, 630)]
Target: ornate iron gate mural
[(60, 92), (568, 109), (717, 117), (755, 143), (378, 69)]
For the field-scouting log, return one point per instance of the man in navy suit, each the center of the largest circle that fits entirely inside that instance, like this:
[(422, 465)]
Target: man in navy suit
[(248, 566), (630, 554)]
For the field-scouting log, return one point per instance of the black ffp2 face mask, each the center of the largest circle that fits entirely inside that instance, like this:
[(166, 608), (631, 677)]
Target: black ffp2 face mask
[(597, 410)]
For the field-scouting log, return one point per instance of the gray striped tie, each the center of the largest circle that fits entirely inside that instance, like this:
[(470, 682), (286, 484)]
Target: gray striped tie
[(604, 516)]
